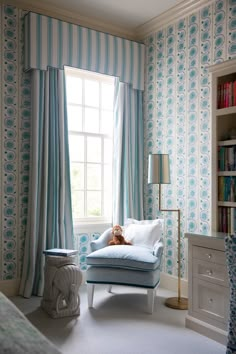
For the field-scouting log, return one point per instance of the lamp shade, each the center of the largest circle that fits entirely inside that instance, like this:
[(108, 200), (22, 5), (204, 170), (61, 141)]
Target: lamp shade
[(158, 169)]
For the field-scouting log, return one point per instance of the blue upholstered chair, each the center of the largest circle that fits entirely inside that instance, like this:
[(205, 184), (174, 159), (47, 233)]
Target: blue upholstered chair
[(137, 265)]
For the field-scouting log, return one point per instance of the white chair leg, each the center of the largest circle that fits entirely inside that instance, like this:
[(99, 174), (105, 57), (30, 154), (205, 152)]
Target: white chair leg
[(109, 288), (90, 292), (151, 293)]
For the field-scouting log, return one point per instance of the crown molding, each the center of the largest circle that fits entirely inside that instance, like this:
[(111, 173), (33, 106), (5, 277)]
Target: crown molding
[(72, 17), (170, 16), (228, 64)]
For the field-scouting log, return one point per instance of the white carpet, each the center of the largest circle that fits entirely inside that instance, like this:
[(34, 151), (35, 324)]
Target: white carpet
[(119, 324)]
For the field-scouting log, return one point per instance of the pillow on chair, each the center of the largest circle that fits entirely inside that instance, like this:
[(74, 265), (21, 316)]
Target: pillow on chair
[(142, 222), (144, 235)]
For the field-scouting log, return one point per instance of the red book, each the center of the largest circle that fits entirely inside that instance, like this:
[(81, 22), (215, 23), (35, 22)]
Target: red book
[(234, 93)]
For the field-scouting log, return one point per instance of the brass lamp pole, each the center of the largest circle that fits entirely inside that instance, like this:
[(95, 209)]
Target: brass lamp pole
[(158, 173)]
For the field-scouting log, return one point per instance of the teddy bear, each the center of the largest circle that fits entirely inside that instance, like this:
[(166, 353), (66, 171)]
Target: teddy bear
[(117, 237)]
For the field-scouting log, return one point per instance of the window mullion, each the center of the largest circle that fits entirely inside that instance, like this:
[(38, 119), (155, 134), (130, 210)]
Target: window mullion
[(102, 177), (85, 176)]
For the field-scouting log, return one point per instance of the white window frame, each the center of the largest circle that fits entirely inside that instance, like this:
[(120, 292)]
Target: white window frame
[(101, 79)]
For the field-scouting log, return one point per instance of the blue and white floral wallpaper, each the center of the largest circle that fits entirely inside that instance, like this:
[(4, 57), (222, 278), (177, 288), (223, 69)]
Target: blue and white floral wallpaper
[(14, 142), (178, 116), (177, 121)]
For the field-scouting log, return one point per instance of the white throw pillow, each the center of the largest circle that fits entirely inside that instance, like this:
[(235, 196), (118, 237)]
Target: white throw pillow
[(144, 235), (142, 222)]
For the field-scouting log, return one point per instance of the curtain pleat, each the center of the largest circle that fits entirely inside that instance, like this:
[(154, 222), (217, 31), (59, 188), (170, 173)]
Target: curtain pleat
[(49, 221), (128, 153)]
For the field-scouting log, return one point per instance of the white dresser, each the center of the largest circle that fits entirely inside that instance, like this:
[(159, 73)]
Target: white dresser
[(208, 287)]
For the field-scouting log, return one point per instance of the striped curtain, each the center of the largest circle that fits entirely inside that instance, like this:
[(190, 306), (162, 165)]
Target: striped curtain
[(128, 153), (49, 211)]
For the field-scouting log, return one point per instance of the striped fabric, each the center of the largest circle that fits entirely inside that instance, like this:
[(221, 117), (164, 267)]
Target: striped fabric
[(49, 222), (53, 43), (128, 154)]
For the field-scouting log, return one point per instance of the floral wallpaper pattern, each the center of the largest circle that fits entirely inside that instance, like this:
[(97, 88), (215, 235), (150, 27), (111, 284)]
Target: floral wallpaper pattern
[(178, 117), (14, 140)]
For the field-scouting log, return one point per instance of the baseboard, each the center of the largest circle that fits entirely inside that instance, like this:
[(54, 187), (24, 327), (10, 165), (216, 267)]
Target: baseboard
[(10, 287), (170, 282), (206, 329)]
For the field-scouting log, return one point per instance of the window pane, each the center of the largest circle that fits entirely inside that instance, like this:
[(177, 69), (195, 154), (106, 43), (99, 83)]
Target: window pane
[(94, 203), (107, 96), (91, 120), (77, 176), (107, 204), (73, 89), (75, 118), (91, 89), (76, 144), (108, 178), (78, 204), (107, 122), (93, 149), (93, 176), (108, 150)]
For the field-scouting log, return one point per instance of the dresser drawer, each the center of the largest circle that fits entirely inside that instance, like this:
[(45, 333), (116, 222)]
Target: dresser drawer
[(211, 300), (210, 255), (209, 271)]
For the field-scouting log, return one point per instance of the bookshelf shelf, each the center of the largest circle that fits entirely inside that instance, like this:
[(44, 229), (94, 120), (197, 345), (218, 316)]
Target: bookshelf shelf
[(227, 173), (223, 82), (227, 142), (225, 111), (227, 204)]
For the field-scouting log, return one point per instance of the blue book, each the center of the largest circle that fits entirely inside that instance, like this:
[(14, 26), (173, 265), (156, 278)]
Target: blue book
[(60, 252)]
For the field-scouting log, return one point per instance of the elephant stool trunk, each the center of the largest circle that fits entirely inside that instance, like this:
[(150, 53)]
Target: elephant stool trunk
[(61, 290)]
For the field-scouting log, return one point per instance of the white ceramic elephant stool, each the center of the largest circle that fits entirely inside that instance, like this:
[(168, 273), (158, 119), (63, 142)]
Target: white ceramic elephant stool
[(61, 290)]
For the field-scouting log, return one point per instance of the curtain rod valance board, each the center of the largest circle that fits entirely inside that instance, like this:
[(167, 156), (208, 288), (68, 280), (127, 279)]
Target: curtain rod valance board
[(54, 43)]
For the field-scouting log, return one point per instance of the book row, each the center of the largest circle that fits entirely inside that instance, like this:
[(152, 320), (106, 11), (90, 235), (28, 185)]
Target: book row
[(227, 220), (227, 158), (226, 94), (226, 188)]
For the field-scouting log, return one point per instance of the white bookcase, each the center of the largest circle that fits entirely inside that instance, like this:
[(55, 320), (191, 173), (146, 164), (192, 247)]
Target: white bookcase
[(223, 147)]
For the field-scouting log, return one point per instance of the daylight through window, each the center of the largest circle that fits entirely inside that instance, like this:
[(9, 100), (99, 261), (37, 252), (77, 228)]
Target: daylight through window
[(90, 125)]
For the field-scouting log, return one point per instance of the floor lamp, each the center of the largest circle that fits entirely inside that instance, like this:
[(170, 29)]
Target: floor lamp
[(159, 173)]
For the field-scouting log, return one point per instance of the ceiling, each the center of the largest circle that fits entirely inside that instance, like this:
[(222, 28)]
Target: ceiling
[(114, 16), (127, 13)]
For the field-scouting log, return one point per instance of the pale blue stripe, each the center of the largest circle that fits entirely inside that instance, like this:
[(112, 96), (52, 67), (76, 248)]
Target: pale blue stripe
[(139, 66), (131, 66), (106, 66), (70, 44), (115, 56), (123, 60), (89, 49), (38, 40), (49, 41), (59, 44), (98, 54), (80, 46)]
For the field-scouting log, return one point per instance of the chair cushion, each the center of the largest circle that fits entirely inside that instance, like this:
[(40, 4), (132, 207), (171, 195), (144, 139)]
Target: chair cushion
[(121, 276), (123, 256)]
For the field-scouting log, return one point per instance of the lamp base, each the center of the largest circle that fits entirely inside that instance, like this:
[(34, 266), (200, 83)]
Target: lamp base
[(177, 303)]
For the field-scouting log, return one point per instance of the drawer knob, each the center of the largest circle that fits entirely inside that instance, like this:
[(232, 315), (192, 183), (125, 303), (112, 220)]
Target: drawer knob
[(209, 272), (210, 300), (209, 255)]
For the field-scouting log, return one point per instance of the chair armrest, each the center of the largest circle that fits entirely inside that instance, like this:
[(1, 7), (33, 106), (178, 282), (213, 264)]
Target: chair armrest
[(158, 249), (102, 241)]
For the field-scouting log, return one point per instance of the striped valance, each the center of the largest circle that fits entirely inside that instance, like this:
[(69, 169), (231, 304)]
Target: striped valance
[(55, 43)]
